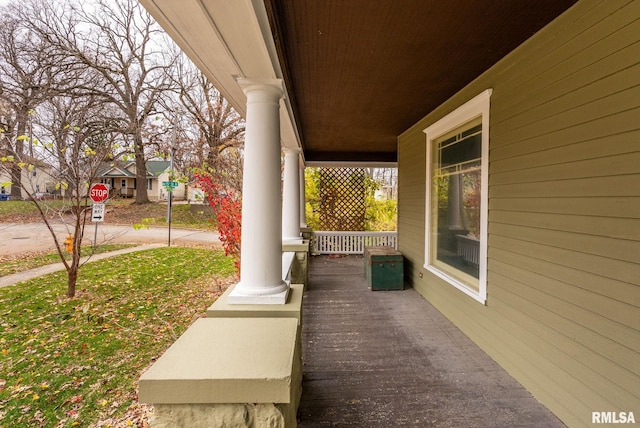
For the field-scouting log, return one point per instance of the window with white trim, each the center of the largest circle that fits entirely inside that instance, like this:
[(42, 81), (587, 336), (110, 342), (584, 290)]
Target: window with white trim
[(457, 197)]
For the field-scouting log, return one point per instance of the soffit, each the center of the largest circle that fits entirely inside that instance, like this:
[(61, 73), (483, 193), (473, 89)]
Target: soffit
[(357, 73), (360, 72), (223, 38)]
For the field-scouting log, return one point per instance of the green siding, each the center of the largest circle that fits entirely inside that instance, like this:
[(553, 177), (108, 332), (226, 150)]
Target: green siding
[(563, 306)]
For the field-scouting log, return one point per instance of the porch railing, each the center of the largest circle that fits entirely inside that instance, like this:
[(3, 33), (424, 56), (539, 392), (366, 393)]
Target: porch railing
[(326, 242)]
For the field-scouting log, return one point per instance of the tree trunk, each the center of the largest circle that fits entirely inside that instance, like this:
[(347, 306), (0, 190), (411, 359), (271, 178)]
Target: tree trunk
[(74, 267), (72, 272), (72, 278), (16, 171), (16, 181), (142, 197)]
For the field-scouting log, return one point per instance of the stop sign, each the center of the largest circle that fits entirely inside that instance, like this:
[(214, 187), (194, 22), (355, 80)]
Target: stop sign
[(99, 193)]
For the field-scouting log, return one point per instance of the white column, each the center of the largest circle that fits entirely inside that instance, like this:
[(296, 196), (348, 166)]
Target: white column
[(261, 279), (291, 196), (303, 199)]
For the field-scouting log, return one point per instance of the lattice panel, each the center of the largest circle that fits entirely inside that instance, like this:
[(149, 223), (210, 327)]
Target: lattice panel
[(342, 192)]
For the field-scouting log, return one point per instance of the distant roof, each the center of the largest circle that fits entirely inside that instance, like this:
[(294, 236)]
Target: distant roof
[(120, 169), (26, 159), (110, 170), (156, 168)]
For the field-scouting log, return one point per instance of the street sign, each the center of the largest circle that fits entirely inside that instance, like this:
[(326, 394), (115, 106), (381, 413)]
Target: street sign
[(97, 212), (98, 193), (170, 184)]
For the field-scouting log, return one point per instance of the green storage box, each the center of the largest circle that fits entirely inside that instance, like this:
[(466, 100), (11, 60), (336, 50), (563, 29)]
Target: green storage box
[(384, 268)]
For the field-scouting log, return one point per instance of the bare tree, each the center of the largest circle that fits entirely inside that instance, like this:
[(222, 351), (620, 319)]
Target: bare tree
[(27, 77), (213, 132), (124, 45), (71, 147), (45, 93)]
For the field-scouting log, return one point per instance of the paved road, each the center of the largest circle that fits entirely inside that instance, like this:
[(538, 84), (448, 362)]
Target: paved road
[(19, 238)]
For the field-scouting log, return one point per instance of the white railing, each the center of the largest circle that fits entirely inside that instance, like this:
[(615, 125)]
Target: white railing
[(469, 249), (324, 242)]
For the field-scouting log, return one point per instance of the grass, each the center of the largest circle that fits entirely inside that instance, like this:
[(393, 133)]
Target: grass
[(24, 207), (76, 362), (119, 211), (181, 216), (22, 263)]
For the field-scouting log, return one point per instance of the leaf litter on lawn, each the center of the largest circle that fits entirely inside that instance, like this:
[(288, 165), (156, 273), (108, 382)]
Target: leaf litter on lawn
[(76, 362)]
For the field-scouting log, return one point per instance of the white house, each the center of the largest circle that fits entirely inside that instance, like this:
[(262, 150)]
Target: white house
[(121, 177), (36, 180)]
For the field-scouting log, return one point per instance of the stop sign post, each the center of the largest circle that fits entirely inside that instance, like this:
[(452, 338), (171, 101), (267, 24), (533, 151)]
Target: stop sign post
[(98, 193)]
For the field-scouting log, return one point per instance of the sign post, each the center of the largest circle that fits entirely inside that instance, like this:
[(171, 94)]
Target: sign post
[(169, 186), (98, 193)]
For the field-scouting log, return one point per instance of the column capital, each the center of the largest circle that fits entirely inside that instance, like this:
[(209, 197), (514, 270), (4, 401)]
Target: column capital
[(272, 86), (291, 151)]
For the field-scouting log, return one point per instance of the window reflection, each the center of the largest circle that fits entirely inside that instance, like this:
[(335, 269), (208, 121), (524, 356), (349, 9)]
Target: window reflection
[(456, 202)]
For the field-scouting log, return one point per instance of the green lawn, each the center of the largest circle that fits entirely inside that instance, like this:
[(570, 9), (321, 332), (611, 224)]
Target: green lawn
[(25, 207), (119, 212), (181, 216), (19, 264), (76, 362)]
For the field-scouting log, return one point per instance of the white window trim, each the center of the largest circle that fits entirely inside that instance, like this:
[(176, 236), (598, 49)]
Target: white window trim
[(477, 107)]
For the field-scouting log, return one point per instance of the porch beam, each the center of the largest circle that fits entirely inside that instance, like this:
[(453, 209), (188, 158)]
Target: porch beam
[(314, 157)]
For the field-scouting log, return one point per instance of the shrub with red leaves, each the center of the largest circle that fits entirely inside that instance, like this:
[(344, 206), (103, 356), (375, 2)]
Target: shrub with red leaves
[(228, 212)]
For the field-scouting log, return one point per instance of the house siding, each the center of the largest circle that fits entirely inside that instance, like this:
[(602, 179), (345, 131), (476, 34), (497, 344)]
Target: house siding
[(563, 307)]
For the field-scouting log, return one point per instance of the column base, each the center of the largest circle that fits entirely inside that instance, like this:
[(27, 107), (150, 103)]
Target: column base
[(292, 309), (236, 297)]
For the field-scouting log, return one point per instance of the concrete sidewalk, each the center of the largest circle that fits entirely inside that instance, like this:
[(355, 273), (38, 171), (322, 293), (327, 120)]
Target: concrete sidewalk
[(55, 267)]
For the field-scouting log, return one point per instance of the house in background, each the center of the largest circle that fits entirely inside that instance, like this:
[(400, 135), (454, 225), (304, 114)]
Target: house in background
[(37, 180), (121, 178), (515, 127)]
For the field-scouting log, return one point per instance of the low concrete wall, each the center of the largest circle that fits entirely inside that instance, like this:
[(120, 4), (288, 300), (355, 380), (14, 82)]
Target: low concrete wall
[(220, 415), (240, 372), (300, 265), (239, 367)]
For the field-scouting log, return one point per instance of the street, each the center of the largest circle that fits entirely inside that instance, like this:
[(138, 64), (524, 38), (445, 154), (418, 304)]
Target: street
[(18, 238)]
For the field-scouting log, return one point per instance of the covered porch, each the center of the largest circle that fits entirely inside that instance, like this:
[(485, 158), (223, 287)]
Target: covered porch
[(337, 354), (532, 105), (389, 358)]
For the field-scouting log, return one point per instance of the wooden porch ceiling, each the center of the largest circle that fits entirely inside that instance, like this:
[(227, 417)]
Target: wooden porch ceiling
[(360, 72)]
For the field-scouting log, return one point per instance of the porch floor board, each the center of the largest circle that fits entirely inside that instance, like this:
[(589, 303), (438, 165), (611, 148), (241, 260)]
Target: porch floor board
[(390, 359)]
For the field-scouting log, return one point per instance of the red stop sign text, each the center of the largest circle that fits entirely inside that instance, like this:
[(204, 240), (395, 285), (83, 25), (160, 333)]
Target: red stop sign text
[(98, 193)]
